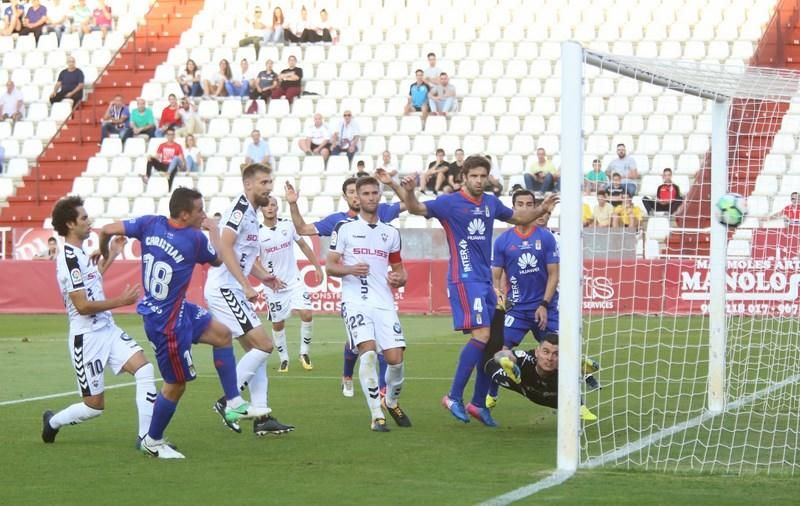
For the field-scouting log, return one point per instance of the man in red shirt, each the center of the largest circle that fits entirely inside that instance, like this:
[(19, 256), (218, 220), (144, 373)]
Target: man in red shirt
[(169, 158), (790, 213), (668, 196), (169, 116)]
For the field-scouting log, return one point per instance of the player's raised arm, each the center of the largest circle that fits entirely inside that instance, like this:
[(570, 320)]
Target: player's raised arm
[(212, 227), (405, 191), (114, 250), (527, 216), (309, 254), (300, 224), (85, 306), (106, 233)]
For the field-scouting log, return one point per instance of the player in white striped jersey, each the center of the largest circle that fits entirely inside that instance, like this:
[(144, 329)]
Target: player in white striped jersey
[(362, 250), (230, 295), (95, 341), (277, 238)]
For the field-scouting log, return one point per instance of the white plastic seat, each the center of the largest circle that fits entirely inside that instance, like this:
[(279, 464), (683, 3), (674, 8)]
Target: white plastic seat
[(120, 166), (96, 166), (118, 207), (83, 185), (522, 145), (31, 149), (766, 185), (423, 145), (312, 166), (658, 228), (215, 165), (94, 206), (399, 144), (107, 187), (143, 206)]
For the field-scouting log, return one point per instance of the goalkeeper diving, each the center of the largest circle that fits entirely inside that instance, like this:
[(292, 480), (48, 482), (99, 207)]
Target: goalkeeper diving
[(532, 373)]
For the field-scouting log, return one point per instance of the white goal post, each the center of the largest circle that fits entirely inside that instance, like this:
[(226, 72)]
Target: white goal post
[(708, 414)]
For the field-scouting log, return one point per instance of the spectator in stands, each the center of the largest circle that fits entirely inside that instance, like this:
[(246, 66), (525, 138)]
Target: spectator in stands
[(115, 121), (625, 166), (191, 121), (51, 251), (255, 31), (239, 83), (627, 215), (102, 18), (455, 177), (418, 96), (2, 157), (189, 79), (12, 17), (169, 116), (603, 211), (389, 166), (69, 84), (291, 81), (615, 190), (493, 180), (12, 104), (81, 16), (168, 158), (346, 136), (323, 31), (142, 121), (300, 30), (34, 20), (668, 196), (194, 159), (587, 214), (265, 83), (791, 212), (443, 96), (214, 86), (257, 151), (56, 18), (274, 33), (543, 176), (217, 217), (435, 177), (595, 180), (432, 73), (317, 140)]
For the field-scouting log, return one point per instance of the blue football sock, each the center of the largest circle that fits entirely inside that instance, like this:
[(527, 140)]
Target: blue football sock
[(163, 409), (482, 383), (350, 358), (225, 362), (382, 371), (494, 388), (470, 356)]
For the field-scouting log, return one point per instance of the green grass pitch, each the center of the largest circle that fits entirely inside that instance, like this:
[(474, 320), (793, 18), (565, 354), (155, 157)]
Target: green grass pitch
[(332, 457)]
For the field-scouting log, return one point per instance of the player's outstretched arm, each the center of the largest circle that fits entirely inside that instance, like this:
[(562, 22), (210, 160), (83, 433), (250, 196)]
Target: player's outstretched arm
[(300, 224), (85, 306), (309, 254), (106, 233), (115, 249), (405, 191), (527, 216)]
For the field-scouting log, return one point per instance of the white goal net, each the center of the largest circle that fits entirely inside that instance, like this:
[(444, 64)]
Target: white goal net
[(695, 326)]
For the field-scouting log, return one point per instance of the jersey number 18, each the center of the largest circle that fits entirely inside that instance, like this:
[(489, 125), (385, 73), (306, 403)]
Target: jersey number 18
[(157, 276)]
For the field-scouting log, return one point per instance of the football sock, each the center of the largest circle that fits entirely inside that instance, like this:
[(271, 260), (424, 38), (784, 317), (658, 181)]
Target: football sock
[(279, 338), (494, 388), (368, 375), (248, 365), (381, 371), (306, 330), (73, 415), (395, 375), (225, 362), (145, 396), (259, 385), (163, 409), (350, 357), (470, 356), (482, 383)]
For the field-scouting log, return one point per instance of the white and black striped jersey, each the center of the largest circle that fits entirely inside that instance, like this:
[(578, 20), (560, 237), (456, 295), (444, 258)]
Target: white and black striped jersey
[(75, 271), (376, 244), (241, 217), (277, 252)]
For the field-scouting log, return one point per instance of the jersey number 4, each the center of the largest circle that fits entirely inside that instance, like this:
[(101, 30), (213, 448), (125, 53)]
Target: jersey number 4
[(157, 275)]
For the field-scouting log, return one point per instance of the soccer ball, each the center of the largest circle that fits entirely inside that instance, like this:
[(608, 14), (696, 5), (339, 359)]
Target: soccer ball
[(732, 209)]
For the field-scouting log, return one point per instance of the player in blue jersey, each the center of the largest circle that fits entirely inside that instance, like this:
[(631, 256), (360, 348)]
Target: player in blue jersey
[(468, 218), (324, 228), (170, 250)]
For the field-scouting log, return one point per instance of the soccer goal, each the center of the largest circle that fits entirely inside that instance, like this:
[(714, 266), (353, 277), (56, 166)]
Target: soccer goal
[(696, 326)]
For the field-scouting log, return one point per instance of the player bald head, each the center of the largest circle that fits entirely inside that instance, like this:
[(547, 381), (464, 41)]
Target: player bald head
[(65, 211)]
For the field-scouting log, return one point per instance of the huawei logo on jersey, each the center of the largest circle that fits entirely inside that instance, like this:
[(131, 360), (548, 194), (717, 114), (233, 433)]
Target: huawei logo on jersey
[(527, 263), (476, 229)]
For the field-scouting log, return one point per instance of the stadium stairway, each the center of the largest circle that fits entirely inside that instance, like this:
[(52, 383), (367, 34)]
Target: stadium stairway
[(751, 131), (65, 157)]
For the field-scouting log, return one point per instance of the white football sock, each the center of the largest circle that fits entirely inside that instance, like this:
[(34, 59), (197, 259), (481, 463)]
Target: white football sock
[(306, 329), (368, 375), (259, 384), (73, 415), (248, 365), (395, 375), (279, 338), (145, 397)]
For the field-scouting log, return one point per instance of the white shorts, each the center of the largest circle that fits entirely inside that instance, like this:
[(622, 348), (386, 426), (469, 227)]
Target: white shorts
[(92, 352), (366, 323), (230, 307), (283, 302)]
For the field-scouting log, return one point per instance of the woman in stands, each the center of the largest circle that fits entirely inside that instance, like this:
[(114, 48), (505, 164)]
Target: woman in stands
[(215, 86), (189, 80), (274, 34), (194, 159)]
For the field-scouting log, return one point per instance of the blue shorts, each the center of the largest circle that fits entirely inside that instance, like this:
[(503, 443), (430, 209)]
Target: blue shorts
[(174, 348), (472, 305), (517, 324)]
